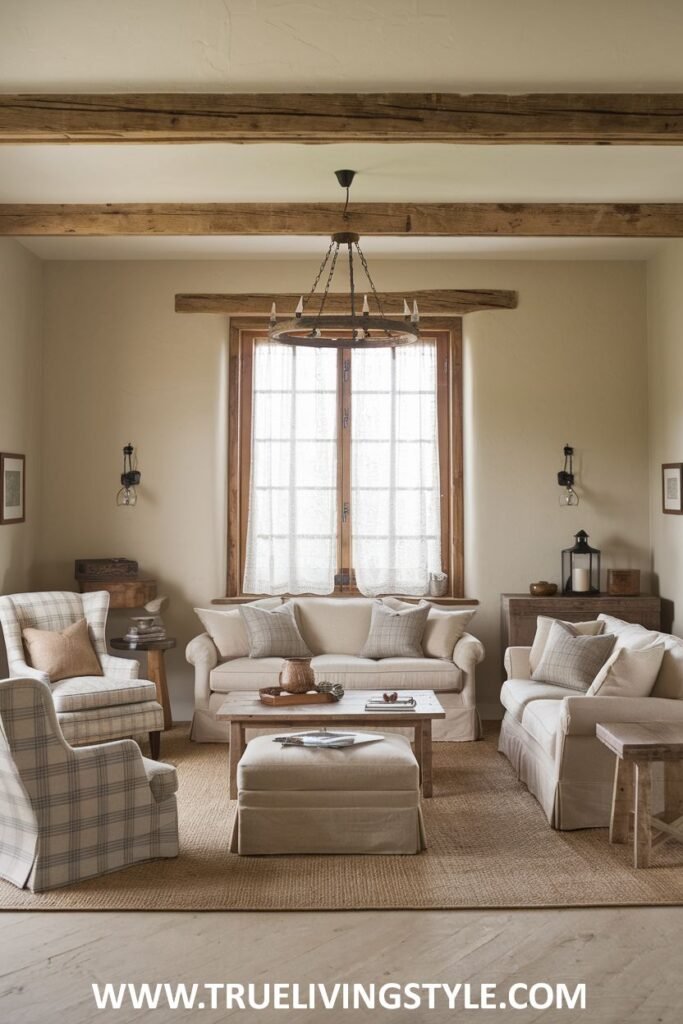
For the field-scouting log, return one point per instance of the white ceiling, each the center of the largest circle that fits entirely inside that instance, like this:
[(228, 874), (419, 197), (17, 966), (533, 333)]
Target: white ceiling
[(328, 45), (434, 172), (324, 45)]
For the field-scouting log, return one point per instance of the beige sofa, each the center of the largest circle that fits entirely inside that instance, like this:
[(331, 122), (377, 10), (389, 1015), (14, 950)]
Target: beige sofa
[(548, 733), (335, 630)]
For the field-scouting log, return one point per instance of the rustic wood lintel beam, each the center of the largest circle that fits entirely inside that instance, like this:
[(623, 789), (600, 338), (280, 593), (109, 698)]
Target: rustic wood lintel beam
[(514, 220), (574, 118)]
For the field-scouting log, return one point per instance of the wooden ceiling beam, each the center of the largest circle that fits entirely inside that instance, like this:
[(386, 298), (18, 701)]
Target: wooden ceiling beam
[(444, 302), (514, 220), (557, 118)]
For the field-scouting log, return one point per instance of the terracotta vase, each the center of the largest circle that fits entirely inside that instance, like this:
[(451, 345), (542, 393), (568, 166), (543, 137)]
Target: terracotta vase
[(297, 676)]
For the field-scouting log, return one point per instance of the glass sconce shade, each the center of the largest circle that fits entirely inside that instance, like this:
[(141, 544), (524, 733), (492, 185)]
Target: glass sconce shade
[(581, 567), (127, 496), (569, 498)]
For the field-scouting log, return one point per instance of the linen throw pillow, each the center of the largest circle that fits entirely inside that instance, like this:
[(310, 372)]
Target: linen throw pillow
[(629, 673), (64, 653), (543, 626), (273, 634), (395, 634), (445, 626), (572, 661), (226, 628)]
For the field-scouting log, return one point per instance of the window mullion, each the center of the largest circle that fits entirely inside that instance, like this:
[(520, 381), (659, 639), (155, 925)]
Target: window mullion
[(344, 474)]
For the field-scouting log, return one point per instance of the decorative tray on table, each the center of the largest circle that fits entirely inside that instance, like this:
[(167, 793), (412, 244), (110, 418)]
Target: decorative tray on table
[(275, 697)]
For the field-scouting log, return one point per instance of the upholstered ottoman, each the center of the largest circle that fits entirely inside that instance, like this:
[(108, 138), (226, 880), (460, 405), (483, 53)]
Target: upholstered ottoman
[(362, 799)]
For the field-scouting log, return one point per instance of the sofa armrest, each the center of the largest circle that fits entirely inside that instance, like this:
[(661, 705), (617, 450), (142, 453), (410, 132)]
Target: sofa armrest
[(203, 654), (19, 669), (580, 715), (517, 663), (119, 668), (468, 652)]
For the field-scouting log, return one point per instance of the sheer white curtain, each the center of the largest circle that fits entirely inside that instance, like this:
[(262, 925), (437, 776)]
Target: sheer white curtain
[(395, 469), (292, 528)]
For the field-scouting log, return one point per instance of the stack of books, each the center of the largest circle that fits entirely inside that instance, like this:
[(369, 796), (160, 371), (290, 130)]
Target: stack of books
[(146, 634), (402, 703)]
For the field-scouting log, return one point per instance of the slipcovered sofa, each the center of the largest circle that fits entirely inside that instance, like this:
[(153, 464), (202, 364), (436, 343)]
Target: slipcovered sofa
[(335, 630), (548, 732)]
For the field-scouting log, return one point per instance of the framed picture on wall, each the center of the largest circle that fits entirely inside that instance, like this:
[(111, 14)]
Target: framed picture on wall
[(672, 488), (12, 488)]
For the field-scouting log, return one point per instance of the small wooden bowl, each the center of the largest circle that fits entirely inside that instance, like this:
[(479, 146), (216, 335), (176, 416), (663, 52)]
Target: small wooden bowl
[(543, 589)]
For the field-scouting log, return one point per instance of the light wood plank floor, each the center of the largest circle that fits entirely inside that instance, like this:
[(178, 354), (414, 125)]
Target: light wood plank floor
[(629, 959)]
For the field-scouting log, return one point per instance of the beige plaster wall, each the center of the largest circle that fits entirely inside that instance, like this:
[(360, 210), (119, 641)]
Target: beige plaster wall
[(568, 365), (20, 407), (665, 344)]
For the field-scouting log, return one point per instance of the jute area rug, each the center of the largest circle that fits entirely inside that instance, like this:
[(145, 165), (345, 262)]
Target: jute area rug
[(489, 845)]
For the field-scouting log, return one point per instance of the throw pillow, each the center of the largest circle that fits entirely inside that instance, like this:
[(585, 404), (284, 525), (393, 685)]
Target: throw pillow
[(395, 634), (273, 634), (572, 661), (543, 626), (64, 653), (629, 673), (444, 627), (226, 628)]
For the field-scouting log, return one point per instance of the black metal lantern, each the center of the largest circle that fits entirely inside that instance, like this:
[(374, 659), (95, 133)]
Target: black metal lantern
[(581, 567)]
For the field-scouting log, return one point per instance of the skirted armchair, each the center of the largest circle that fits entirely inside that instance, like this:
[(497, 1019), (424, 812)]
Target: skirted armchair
[(90, 709), (67, 815)]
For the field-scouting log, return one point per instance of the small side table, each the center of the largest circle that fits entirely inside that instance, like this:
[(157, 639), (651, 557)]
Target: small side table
[(156, 667), (636, 747)]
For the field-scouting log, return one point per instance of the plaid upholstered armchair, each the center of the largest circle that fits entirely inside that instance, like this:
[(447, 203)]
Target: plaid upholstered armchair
[(90, 709), (67, 815)]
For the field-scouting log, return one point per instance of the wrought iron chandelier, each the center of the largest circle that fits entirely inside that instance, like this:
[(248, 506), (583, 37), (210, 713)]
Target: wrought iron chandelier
[(361, 328)]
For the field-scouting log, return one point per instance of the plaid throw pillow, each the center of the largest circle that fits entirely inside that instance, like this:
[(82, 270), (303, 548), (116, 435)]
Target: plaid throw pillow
[(395, 634), (273, 634), (570, 660)]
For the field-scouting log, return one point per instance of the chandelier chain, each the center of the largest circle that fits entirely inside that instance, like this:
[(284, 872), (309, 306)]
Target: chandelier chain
[(323, 300), (320, 271), (364, 264)]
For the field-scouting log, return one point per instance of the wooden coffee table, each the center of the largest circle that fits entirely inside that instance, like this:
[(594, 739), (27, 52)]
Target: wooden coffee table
[(637, 747), (244, 710)]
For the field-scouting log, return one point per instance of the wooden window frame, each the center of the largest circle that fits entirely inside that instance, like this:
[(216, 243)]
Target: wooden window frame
[(448, 335)]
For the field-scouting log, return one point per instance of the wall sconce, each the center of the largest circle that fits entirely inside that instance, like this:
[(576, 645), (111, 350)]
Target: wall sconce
[(130, 478), (565, 478)]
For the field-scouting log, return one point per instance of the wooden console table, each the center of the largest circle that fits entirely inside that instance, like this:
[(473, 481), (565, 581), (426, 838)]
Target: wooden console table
[(636, 748), (519, 612)]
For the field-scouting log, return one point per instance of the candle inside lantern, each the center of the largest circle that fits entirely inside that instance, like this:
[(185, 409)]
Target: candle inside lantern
[(581, 580)]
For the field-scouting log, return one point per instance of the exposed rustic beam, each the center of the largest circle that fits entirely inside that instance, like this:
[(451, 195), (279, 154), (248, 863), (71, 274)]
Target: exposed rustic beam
[(431, 303), (632, 118), (539, 220)]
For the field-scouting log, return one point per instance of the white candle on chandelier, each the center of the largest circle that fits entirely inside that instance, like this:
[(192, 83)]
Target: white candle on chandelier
[(273, 314), (406, 309), (300, 306), (366, 305), (416, 316)]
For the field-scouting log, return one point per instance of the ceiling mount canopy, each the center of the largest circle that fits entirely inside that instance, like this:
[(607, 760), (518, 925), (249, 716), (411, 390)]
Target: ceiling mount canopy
[(359, 327)]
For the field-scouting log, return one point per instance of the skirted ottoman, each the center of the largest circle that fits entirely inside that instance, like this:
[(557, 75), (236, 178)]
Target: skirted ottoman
[(361, 799)]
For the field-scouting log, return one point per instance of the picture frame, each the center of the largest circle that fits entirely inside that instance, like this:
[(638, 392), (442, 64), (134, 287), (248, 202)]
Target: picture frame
[(672, 488), (12, 488)]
